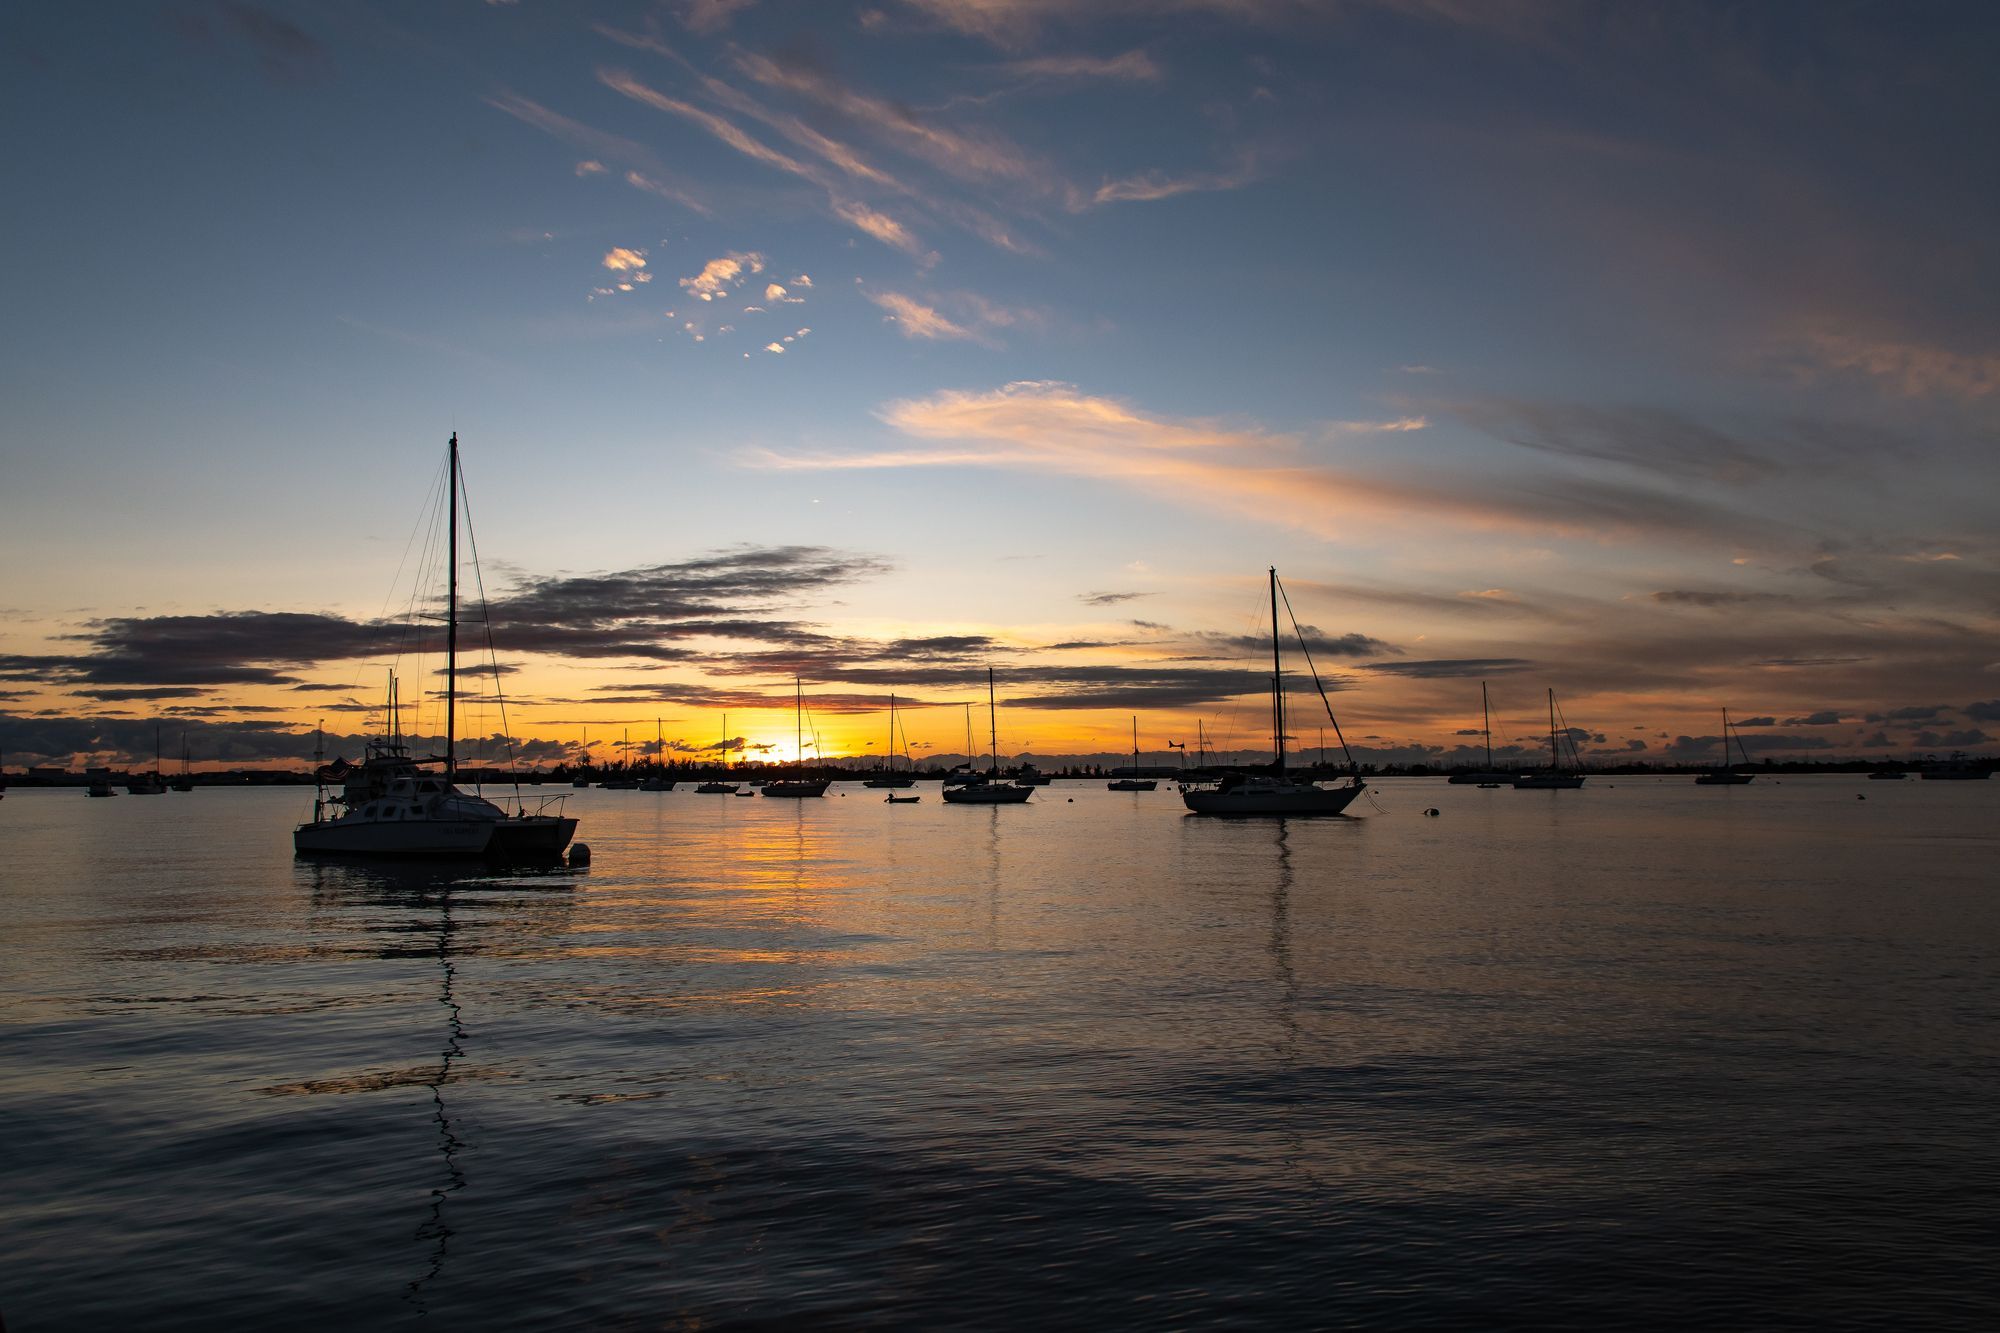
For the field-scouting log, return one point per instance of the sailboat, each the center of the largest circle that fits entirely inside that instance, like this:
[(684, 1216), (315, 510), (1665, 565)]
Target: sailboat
[(150, 784), (801, 785), (1723, 775), (1555, 777), (582, 779), (1135, 782), (892, 778), (991, 791), (624, 780), (1276, 793), (388, 806), (1488, 776), (657, 779), (715, 787), (185, 781)]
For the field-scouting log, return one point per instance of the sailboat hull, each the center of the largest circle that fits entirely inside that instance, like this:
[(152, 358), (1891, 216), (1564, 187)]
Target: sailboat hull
[(1548, 781), (897, 781), (1132, 784), (1254, 798), (1724, 779), (812, 787), (992, 793)]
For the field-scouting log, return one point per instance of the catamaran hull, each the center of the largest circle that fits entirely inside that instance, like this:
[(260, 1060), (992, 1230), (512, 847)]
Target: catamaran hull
[(1297, 801), (536, 837)]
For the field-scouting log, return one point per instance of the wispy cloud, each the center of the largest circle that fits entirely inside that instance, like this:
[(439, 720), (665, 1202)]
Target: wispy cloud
[(644, 169), (916, 320)]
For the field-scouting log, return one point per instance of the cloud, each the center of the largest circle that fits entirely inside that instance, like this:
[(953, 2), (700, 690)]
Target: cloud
[(1453, 668), (1910, 370), (621, 260), (623, 83), (1985, 711), (1110, 598), (644, 171), (590, 167), (873, 222), (1148, 186), (286, 52), (717, 276), (1826, 718), (709, 16), (1134, 66), (916, 320), (1054, 428)]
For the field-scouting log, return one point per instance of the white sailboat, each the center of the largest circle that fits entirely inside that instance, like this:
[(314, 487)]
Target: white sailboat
[(892, 778), (1722, 775), (1555, 777), (990, 791), (802, 785), (1134, 782), (388, 806), (1275, 792)]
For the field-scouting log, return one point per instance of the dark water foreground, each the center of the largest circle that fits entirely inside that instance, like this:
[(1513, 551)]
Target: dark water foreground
[(1634, 1056)]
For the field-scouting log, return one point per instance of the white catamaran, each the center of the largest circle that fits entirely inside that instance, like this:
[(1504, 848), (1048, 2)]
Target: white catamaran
[(389, 806), (1276, 792), (1555, 777)]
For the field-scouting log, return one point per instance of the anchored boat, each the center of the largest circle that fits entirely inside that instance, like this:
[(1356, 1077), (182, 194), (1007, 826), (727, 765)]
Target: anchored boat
[(388, 805)]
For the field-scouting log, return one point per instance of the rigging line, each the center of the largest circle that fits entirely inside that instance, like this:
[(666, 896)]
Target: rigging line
[(485, 616), (1315, 675), (426, 514)]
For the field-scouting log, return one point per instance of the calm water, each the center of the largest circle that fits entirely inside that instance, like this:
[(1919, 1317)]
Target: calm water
[(1641, 1054)]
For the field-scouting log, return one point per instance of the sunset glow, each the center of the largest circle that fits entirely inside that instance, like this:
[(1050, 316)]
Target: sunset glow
[(879, 345)]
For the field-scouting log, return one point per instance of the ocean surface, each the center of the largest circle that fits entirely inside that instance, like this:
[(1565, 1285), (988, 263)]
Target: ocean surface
[(1645, 1054)]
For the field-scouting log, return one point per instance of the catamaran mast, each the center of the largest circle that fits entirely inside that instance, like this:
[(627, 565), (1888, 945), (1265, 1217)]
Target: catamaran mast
[(1277, 680), (451, 626)]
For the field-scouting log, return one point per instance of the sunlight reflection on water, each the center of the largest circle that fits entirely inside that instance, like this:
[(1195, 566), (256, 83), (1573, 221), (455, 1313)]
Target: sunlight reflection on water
[(1718, 1055)]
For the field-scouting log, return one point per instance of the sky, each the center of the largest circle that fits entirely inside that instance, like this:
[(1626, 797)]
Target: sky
[(1644, 353)]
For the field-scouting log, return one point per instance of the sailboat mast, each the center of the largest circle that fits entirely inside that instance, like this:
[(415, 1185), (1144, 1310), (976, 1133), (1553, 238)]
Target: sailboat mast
[(799, 719), (890, 757), (1135, 745), (1555, 755), (451, 626), (1486, 724), (993, 723), (1277, 679)]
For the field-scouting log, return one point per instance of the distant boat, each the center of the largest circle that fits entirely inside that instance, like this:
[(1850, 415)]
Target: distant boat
[(657, 780), (389, 807), (1488, 776), (715, 787), (1959, 767), (1276, 792), (1887, 775), (150, 784), (1135, 782), (184, 782), (1724, 775), (1555, 777), (894, 799), (582, 779), (1030, 776), (801, 786), (100, 787), (891, 778), (625, 780), (990, 791)]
